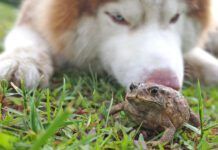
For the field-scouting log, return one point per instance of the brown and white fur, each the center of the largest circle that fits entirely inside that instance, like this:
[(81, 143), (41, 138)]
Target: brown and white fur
[(133, 40)]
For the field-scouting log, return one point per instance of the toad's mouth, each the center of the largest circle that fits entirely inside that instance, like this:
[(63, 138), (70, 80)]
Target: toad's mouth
[(136, 99)]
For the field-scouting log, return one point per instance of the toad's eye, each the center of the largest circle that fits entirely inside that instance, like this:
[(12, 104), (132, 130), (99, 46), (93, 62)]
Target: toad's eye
[(153, 91), (117, 18), (175, 18)]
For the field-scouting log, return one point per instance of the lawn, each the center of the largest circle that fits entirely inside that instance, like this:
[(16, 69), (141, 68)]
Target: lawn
[(73, 112)]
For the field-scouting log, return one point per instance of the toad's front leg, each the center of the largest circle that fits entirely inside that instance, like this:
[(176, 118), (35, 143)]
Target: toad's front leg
[(169, 131), (117, 108)]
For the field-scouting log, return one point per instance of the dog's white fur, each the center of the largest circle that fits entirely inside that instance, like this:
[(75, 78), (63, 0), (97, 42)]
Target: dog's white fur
[(129, 53), (26, 57)]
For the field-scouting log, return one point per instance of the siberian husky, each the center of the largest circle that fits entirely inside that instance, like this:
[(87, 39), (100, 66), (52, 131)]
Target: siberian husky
[(132, 40)]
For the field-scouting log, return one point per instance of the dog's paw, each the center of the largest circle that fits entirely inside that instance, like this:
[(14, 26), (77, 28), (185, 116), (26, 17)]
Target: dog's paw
[(16, 70)]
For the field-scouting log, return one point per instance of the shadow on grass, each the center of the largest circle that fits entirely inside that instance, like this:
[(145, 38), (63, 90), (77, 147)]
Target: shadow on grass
[(14, 3)]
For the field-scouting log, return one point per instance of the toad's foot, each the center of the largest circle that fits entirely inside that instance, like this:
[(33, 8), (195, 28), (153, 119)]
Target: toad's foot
[(169, 131), (194, 119)]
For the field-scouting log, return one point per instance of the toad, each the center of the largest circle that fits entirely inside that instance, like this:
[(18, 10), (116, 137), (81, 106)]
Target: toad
[(157, 107)]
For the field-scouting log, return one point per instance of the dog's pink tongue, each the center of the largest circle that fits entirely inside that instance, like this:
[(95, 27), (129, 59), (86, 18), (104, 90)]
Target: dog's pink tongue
[(164, 77)]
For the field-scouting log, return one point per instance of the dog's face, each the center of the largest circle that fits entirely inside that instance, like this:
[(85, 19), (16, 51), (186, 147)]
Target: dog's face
[(144, 40), (140, 40)]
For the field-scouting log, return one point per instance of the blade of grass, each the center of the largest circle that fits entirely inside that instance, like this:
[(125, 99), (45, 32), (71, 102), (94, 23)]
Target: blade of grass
[(24, 94), (35, 122), (107, 138), (89, 120), (138, 129), (194, 129), (203, 144), (1, 115), (63, 95), (4, 87), (109, 109), (211, 126), (18, 90), (86, 140), (54, 126), (200, 107), (94, 77), (48, 105)]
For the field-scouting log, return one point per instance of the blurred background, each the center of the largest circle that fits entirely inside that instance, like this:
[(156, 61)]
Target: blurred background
[(8, 12)]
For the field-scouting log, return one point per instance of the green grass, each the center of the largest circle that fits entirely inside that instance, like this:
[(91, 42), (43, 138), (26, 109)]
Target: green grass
[(7, 18), (73, 112)]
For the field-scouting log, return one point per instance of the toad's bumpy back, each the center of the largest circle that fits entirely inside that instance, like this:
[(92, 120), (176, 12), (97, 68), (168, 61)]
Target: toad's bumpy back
[(178, 110)]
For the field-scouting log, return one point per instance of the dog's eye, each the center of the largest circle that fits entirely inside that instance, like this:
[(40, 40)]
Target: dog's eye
[(175, 18), (117, 18), (154, 91)]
